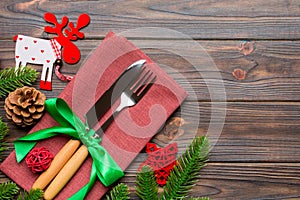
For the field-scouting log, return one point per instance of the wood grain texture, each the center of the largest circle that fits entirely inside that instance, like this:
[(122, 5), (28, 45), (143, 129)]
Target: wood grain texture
[(271, 70), (249, 49), (243, 181), (252, 131), (200, 19)]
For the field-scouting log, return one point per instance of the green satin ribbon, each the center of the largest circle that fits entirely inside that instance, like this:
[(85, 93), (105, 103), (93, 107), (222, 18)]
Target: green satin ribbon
[(103, 167)]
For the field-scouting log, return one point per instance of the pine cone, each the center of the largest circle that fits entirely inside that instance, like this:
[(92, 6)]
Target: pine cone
[(25, 106)]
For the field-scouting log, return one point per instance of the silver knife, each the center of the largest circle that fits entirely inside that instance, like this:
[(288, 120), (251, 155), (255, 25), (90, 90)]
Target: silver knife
[(114, 92)]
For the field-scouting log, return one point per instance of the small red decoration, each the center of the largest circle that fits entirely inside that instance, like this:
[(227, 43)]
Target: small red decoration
[(162, 160), (39, 159), (70, 52)]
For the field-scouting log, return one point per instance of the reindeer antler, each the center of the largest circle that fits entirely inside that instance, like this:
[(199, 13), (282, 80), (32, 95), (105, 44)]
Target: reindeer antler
[(70, 52), (58, 27), (72, 32)]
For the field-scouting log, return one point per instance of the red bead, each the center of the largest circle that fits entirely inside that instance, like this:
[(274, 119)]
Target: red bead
[(39, 159)]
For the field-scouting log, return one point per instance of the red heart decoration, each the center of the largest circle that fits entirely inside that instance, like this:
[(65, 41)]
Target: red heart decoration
[(32, 58), (20, 38), (162, 160), (42, 51), (26, 48), (17, 56), (34, 41), (47, 61)]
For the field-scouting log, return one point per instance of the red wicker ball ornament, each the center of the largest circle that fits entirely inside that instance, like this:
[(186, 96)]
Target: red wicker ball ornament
[(39, 159)]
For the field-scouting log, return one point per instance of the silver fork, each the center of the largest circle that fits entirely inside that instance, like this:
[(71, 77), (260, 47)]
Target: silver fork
[(130, 97)]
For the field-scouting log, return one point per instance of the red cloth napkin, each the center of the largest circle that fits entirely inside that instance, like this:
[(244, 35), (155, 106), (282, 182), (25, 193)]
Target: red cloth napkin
[(133, 127)]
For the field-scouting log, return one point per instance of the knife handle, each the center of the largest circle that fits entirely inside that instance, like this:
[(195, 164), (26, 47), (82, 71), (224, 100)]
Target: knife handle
[(58, 162), (66, 173)]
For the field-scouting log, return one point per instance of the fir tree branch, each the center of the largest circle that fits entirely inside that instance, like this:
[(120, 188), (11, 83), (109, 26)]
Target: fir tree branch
[(147, 188), (3, 134), (119, 192), (8, 190), (33, 194), (11, 79), (184, 175)]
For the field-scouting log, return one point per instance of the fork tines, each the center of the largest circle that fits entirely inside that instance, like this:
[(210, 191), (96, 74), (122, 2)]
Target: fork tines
[(144, 83)]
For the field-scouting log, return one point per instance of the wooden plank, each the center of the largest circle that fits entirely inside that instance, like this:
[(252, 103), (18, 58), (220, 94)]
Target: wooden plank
[(270, 67), (200, 19), (253, 132), (242, 181)]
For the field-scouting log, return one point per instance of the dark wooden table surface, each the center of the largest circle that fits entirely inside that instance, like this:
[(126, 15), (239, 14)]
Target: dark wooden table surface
[(255, 46)]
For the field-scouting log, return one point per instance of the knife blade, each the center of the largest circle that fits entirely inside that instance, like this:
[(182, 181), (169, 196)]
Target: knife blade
[(113, 93)]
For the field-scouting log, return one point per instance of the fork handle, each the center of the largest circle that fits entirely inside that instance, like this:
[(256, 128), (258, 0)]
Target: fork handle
[(106, 124)]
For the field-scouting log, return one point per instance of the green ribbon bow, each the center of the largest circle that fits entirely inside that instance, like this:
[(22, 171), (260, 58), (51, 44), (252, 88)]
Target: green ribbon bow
[(103, 167)]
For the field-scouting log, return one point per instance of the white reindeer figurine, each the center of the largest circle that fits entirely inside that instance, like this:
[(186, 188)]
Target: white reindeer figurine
[(50, 52)]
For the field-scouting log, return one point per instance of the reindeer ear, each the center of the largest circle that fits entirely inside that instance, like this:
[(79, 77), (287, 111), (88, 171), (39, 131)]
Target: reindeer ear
[(83, 20)]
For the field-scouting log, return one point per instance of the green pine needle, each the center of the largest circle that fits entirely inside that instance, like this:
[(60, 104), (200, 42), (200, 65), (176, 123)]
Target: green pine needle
[(3, 134), (147, 188), (8, 190), (185, 174), (33, 194), (119, 192), (11, 79)]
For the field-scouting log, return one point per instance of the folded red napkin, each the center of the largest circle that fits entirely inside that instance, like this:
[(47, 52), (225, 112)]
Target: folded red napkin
[(133, 127)]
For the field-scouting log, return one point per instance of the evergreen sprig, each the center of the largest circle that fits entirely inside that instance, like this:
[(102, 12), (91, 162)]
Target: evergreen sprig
[(3, 134), (119, 192), (12, 78), (180, 181), (33, 194), (185, 174), (147, 187), (8, 190)]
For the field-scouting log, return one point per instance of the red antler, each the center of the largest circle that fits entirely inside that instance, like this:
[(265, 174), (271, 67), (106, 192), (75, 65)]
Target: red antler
[(58, 27), (70, 53), (72, 32)]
